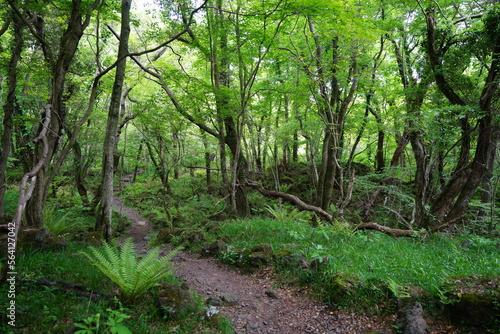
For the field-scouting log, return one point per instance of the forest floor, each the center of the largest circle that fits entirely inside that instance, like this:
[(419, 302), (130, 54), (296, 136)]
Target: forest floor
[(253, 311)]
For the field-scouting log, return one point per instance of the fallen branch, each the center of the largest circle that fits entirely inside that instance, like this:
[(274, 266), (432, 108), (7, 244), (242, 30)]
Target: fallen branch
[(67, 287), (326, 216), (387, 230), (448, 223), (293, 199)]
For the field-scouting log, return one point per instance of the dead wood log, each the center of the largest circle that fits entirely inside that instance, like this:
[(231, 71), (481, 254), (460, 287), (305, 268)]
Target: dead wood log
[(293, 199), (387, 230), (71, 288)]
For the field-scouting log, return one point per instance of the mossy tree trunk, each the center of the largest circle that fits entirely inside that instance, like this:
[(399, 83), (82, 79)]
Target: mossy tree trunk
[(58, 59)]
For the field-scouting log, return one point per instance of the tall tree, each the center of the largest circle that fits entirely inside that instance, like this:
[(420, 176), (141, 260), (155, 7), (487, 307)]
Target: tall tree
[(58, 57), (105, 211), (234, 64), (450, 205), (415, 81), (10, 103)]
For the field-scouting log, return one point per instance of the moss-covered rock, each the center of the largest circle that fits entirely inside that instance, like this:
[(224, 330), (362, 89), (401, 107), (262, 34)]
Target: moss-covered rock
[(474, 300), (295, 261), (166, 234), (40, 238), (261, 254), (243, 258), (282, 253), (174, 299), (92, 239), (340, 287), (213, 249), (192, 237)]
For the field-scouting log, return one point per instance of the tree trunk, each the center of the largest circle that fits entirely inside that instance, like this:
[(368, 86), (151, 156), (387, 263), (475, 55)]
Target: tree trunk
[(104, 215), (28, 183), (487, 188), (221, 75), (66, 50), (451, 204), (208, 160), (421, 178), (9, 106), (415, 92), (332, 109), (80, 173), (137, 160), (402, 141), (240, 168), (293, 199), (379, 156)]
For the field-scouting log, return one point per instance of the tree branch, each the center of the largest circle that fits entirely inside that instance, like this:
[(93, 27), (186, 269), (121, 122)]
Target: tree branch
[(293, 199), (387, 230)]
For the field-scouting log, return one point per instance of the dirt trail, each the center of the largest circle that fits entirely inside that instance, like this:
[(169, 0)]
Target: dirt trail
[(253, 311)]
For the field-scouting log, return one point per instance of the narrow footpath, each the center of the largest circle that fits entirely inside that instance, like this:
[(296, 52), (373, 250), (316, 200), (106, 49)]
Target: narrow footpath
[(253, 308)]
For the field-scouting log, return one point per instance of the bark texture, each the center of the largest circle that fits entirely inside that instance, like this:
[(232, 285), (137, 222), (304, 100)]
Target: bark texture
[(105, 210), (9, 106), (451, 204)]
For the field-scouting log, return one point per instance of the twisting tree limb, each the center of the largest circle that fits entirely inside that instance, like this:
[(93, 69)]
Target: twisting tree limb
[(293, 199), (28, 181), (326, 216)]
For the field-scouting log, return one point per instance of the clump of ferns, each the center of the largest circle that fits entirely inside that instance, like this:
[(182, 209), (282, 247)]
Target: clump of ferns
[(134, 276)]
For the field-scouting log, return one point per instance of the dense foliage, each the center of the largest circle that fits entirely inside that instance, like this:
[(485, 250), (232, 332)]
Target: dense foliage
[(359, 111)]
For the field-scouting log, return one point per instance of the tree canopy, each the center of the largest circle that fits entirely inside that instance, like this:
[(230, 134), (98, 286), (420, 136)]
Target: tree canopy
[(362, 110)]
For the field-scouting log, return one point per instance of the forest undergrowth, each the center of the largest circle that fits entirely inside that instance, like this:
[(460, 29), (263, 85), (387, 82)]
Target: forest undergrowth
[(375, 269)]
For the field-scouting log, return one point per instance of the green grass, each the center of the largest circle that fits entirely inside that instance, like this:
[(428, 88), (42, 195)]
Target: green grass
[(10, 201), (374, 266), (42, 309), (422, 261)]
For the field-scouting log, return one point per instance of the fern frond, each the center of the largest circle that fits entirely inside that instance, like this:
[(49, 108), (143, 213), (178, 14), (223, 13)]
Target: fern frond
[(133, 276), (128, 264)]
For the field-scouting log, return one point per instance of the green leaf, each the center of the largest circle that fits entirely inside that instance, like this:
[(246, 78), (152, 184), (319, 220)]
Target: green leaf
[(133, 276)]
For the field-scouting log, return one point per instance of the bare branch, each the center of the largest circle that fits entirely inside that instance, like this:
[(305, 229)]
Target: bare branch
[(475, 16)]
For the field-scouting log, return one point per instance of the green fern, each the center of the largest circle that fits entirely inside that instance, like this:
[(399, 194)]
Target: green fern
[(284, 216), (133, 276), (399, 291)]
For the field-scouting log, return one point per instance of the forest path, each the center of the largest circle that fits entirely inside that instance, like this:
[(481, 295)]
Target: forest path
[(253, 311)]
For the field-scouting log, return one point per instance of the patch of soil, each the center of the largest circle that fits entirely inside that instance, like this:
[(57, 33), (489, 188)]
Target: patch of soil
[(252, 308), (139, 228), (256, 312)]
